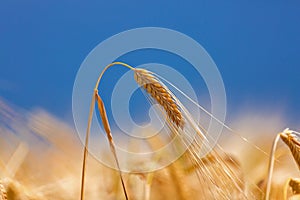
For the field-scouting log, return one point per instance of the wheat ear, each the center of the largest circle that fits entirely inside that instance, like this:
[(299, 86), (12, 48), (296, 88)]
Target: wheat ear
[(160, 93)]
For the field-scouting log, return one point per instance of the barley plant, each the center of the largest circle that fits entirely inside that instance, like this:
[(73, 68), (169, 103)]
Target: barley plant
[(40, 156), (291, 139), (218, 175)]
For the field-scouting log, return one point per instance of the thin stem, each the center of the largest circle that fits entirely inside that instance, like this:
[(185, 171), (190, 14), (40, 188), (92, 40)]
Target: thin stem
[(119, 169), (285, 189), (271, 167), (110, 138), (108, 66), (86, 146), (85, 154)]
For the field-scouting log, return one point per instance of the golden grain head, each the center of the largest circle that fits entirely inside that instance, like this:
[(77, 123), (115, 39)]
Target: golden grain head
[(291, 140), (295, 185), (3, 194), (161, 94)]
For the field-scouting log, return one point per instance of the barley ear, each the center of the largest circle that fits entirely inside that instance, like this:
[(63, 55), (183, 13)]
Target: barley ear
[(161, 94), (3, 193), (292, 142), (295, 185)]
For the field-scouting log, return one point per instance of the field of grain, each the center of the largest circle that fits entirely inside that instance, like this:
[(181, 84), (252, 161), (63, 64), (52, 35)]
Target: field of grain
[(41, 157)]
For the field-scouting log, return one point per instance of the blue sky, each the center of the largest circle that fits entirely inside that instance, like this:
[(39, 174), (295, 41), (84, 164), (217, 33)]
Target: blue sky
[(255, 45)]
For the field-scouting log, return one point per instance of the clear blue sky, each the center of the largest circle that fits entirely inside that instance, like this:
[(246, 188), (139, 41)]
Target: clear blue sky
[(255, 44)]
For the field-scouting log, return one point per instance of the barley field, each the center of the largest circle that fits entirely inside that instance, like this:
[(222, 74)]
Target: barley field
[(41, 156)]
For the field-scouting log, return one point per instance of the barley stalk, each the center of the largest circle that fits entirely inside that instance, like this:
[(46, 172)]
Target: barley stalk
[(105, 122), (271, 167), (85, 154), (106, 125), (161, 94)]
